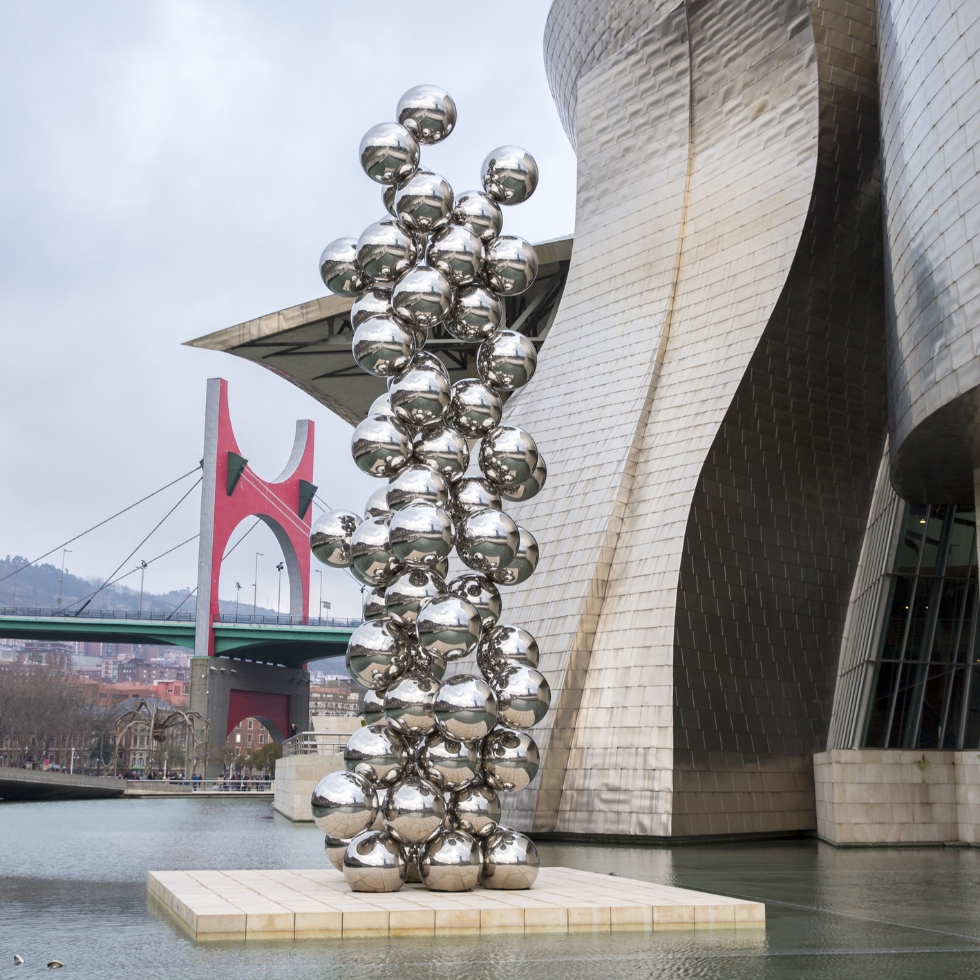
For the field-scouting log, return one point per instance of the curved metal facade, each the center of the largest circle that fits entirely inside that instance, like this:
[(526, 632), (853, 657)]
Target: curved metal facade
[(930, 90)]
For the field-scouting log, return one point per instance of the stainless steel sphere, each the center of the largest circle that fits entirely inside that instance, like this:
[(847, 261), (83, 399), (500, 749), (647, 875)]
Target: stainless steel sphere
[(375, 654), (510, 760), (335, 847), (381, 406), (381, 446), (330, 537), (480, 213), (487, 540), (474, 315), (444, 450), (424, 203), (475, 809), (508, 455), (372, 562), (421, 534), (506, 360), (481, 593), (372, 604), (375, 301), (523, 695), (470, 495), (449, 627), (509, 174), (377, 753), (457, 253), (413, 810), (511, 265), (448, 762), (383, 346), (373, 862), (530, 487), (427, 663), (510, 861), (504, 645), (389, 199), (406, 595), (373, 708), (427, 112), (385, 252), (389, 153), (422, 297), (408, 704), (474, 408), (451, 862), (524, 563), (465, 708), (417, 484), (420, 395), (377, 504), (338, 267), (344, 804)]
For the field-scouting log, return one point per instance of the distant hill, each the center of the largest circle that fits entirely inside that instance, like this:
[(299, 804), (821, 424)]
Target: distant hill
[(37, 585)]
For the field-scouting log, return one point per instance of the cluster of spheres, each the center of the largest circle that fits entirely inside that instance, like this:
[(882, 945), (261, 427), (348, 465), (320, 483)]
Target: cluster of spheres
[(418, 799)]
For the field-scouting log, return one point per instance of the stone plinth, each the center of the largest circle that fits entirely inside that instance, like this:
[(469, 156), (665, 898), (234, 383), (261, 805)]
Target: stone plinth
[(319, 904), (296, 776)]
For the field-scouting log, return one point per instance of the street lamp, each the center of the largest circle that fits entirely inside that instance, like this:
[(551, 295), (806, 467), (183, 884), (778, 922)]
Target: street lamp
[(324, 605), (238, 595), (142, 573), (61, 581), (279, 569), (255, 595)]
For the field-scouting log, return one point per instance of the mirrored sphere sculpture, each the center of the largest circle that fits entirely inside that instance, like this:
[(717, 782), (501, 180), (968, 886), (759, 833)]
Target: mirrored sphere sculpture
[(510, 861), (373, 862), (417, 484), (338, 267), (475, 809), (377, 753), (424, 203), (421, 534), (428, 112), (504, 644), (413, 810), (511, 265), (448, 762), (481, 593), (375, 654), (506, 360), (465, 707), (474, 315), (382, 346), (373, 708), (344, 804), (510, 760), (377, 504), (508, 455), (389, 153), (330, 537), (372, 603), (408, 704), (422, 297), (385, 252), (449, 627), (381, 446), (371, 559), (474, 408), (471, 494), (487, 540), (451, 862), (524, 563), (419, 395), (335, 848), (509, 174), (523, 695), (457, 253), (444, 450), (531, 487), (480, 213), (375, 301), (406, 595)]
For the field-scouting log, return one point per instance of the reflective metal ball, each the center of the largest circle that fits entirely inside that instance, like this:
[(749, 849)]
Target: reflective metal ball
[(504, 645), (383, 346), (524, 563), (475, 809), (375, 301), (373, 862), (406, 595), (338, 267), (389, 153), (335, 847), (506, 360), (508, 455), (422, 297), (448, 762), (377, 504), (424, 203), (428, 112), (471, 494), (377, 753), (344, 804), (372, 604), (389, 199), (510, 760), (465, 708), (510, 861), (481, 593), (373, 708), (381, 406), (509, 174), (511, 265), (372, 562), (413, 810), (451, 862), (330, 537), (475, 314), (449, 627), (381, 446), (487, 540), (480, 213), (420, 395), (417, 484), (421, 534), (375, 654), (444, 450), (523, 695), (408, 704), (385, 252), (530, 487), (457, 253), (474, 408)]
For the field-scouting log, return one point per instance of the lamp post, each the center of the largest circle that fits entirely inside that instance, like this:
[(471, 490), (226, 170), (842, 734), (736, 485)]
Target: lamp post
[(320, 607), (279, 569), (142, 573), (61, 581), (324, 605), (238, 596), (255, 594)]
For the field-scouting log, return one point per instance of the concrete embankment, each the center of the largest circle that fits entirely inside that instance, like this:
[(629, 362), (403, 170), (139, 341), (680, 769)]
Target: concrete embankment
[(26, 784)]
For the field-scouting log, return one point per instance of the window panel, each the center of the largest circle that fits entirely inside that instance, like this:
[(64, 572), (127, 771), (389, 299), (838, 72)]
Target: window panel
[(881, 703), (962, 553)]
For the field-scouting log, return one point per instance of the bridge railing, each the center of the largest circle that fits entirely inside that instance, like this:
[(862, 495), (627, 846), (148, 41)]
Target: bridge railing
[(315, 743), (283, 619)]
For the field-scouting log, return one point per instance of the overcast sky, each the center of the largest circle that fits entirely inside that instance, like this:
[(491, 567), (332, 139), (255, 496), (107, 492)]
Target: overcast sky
[(172, 168)]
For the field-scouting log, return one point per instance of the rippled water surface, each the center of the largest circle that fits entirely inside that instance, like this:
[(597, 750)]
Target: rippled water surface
[(73, 887)]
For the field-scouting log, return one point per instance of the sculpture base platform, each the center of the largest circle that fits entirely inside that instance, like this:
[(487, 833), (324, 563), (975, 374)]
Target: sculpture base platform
[(318, 904)]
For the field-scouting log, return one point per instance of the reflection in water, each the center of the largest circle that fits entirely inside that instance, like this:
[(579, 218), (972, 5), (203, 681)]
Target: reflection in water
[(72, 887)]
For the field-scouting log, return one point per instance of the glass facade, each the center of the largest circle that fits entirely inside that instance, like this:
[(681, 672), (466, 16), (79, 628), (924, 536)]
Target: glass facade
[(926, 688)]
